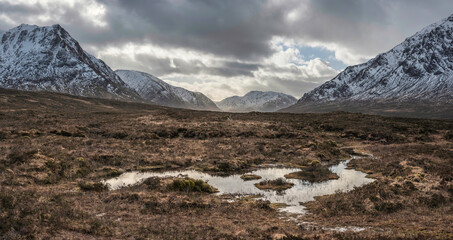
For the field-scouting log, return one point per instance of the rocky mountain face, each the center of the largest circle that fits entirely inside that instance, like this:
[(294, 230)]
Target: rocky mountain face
[(157, 91), (49, 59), (418, 70), (257, 101)]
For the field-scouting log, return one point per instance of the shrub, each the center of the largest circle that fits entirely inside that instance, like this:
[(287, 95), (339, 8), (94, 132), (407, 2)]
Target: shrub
[(449, 135), (152, 183), (111, 173), (191, 185), (65, 133), (19, 155), (276, 184), (6, 201), (263, 204), (3, 135), (388, 206), (313, 173), (249, 177), (90, 186), (279, 182)]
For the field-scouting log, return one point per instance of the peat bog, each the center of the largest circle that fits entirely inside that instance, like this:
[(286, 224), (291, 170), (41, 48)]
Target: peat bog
[(56, 149)]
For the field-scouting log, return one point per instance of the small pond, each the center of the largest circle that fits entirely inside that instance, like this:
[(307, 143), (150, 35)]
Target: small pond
[(301, 192)]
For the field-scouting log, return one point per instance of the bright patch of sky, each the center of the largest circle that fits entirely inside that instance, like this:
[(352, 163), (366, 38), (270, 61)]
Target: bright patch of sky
[(310, 53)]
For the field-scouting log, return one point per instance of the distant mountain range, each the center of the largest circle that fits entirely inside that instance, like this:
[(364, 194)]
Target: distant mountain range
[(48, 59), (157, 91), (257, 101), (413, 79)]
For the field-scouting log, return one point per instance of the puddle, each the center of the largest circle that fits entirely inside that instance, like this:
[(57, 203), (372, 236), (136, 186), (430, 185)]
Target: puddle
[(301, 192)]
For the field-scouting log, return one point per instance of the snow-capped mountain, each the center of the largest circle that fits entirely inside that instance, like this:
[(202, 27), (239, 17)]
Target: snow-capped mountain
[(257, 101), (419, 69), (49, 59), (157, 91)]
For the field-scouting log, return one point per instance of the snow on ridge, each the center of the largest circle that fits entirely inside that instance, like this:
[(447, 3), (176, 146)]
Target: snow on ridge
[(417, 69), (257, 101), (156, 90), (48, 58)]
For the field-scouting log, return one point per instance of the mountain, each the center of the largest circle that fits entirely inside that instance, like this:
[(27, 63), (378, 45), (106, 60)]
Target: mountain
[(49, 59), (157, 91), (257, 101), (417, 72)]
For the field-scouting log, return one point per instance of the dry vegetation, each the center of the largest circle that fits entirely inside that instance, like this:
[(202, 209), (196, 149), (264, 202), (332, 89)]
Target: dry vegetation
[(250, 177), (315, 172), (54, 150), (278, 184)]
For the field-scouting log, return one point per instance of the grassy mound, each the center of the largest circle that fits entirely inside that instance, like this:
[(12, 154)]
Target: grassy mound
[(250, 177), (277, 184), (191, 185), (313, 173)]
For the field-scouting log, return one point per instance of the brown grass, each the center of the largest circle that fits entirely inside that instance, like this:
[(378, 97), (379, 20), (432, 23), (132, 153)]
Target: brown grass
[(279, 184), (54, 149), (315, 172)]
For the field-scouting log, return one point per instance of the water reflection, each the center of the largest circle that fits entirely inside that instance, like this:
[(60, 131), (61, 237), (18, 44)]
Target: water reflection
[(301, 192)]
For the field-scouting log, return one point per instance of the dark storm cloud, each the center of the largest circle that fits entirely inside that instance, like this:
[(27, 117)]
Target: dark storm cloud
[(229, 28), (235, 35), (164, 66), (243, 29)]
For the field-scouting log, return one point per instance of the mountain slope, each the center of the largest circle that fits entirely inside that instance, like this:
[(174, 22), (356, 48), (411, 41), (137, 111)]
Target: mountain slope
[(419, 70), (49, 59), (155, 90), (257, 101)]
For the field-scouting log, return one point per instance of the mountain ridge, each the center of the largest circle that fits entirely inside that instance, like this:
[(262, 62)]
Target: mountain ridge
[(49, 59), (158, 91), (409, 60), (268, 101), (418, 70)]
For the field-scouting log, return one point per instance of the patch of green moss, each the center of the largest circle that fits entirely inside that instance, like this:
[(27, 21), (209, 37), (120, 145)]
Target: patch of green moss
[(191, 185)]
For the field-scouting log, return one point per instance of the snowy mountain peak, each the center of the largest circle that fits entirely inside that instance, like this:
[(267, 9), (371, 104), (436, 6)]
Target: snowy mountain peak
[(257, 101), (418, 69), (48, 58), (156, 90)]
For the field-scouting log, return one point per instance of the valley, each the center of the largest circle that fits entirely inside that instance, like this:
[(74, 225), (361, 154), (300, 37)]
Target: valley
[(57, 149), (193, 136)]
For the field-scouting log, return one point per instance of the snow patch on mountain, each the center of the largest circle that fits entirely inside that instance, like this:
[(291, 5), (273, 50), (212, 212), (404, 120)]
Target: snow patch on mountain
[(257, 101), (418, 69), (156, 90), (49, 59)]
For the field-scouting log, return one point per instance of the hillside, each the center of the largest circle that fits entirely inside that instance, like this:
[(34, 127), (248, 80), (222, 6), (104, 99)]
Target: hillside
[(159, 92), (49, 59), (257, 101), (414, 76)]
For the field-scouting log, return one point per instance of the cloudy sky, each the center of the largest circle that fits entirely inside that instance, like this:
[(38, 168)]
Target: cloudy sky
[(229, 47)]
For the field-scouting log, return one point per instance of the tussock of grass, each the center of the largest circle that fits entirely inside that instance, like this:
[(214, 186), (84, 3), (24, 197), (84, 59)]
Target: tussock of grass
[(313, 173), (91, 186), (250, 177), (191, 185), (277, 184)]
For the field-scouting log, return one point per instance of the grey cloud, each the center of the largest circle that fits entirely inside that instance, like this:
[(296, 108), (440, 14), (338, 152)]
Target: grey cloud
[(237, 30), (165, 66), (228, 28), (292, 87), (243, 29)]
